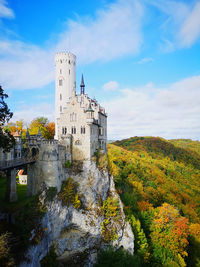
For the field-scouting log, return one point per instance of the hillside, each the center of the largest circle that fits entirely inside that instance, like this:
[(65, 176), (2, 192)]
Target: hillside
[(159, 184)]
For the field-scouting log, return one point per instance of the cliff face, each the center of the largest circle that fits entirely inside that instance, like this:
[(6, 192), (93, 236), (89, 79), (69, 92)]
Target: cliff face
[(78, 234)]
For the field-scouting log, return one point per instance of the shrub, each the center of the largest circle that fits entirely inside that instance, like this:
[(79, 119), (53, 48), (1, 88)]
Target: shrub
[(112, 217), (117, 258), (50, 259), (68, 164), (5, 255), (51, 193), (69, 195)]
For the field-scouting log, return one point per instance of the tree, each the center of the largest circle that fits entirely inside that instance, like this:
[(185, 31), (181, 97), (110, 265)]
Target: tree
[(47, 128), (50, 130), (6, 139)]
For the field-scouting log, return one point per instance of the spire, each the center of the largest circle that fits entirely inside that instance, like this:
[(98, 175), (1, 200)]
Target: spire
[(27, 133), (82, 85), (39, 133)]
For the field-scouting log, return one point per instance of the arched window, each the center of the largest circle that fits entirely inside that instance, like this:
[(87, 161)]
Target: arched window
[(82, 129), (64, 130), (78, 143), (73, 130), (73, 116)]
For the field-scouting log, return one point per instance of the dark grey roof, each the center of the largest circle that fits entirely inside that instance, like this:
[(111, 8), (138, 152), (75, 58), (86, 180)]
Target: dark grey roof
[(82, 81)]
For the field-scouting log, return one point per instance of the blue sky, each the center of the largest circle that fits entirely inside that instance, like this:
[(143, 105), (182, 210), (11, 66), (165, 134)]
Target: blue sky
[(140, 59)]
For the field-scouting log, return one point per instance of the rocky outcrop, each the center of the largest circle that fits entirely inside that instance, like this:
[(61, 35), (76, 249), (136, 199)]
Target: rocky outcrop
[(77, 233)]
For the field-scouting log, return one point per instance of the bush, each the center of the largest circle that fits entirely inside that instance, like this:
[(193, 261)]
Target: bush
[(112, 217), (118, 258), (68, 164), (69, 194), (5, 255), (51, 193), (50, 259)]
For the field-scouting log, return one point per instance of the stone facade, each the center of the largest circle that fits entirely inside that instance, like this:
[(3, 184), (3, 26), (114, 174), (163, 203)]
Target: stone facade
[(81, 123)]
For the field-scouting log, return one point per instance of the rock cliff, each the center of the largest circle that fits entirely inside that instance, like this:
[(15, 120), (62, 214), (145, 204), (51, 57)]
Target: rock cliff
[(77, 234)]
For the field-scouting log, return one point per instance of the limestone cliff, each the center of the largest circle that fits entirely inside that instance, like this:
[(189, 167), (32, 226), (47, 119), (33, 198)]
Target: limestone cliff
[(77, 233)]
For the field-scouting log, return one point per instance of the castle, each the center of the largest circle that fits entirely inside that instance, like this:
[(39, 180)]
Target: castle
[(80, 131), (81, 123)]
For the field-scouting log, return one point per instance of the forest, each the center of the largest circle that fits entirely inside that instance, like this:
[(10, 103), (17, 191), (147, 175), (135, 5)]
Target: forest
[(159, 184)]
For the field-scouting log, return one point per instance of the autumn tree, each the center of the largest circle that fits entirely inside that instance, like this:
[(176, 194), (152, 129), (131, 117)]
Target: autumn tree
[(47, 128), (6, 139), (169, 235)]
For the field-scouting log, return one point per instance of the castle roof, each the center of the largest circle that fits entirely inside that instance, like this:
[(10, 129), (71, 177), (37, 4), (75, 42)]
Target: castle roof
[(82, 81)]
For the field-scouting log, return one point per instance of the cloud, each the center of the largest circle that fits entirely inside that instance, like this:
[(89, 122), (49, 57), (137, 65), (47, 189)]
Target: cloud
[(190, 30), (115, 32), (182, 25), (145, 60), (5, 12), (171, 111), (110, 86), (30, 112)]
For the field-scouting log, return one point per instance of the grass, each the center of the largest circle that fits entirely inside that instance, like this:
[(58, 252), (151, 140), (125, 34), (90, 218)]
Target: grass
[(21, 194)]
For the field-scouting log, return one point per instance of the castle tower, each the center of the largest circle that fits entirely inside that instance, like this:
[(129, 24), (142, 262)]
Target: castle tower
[(65, 82)]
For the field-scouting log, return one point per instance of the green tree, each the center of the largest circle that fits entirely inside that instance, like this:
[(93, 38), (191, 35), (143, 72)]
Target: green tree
[(6, 139)]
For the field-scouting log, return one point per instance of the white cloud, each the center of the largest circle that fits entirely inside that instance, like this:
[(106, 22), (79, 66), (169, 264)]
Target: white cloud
[(116, 31), (145, 60), (190, 30), (182, 25), (110, 86), (30, 112), (170, 112), (5, 12)]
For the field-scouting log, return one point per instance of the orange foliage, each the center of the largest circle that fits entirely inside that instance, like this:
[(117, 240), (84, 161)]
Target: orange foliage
[(144, 205)]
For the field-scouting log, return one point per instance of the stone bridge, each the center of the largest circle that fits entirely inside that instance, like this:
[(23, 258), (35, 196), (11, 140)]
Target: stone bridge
[(10, 167)]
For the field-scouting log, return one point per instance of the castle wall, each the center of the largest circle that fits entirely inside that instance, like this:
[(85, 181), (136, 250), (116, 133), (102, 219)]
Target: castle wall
[(49, 167)]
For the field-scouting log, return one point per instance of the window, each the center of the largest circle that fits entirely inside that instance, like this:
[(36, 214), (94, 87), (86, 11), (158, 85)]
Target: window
[(82, 129), (78, 142), (100, 131), (60, 61), (69, 62), (73, 130), (60, 108), (60, 71), (60, 96), (69, 71), (60, 82), (64, 130), (73, 117)]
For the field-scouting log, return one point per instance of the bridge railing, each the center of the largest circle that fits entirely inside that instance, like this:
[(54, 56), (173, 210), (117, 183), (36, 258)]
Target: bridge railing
[(16, 162)]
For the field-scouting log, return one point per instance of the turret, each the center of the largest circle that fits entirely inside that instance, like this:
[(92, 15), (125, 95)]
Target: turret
[(65, 82)]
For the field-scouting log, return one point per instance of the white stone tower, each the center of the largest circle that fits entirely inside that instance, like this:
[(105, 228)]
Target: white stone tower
[(65, 82)]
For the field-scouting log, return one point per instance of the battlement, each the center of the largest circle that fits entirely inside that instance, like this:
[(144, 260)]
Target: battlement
[(64, 57), (49, 142)]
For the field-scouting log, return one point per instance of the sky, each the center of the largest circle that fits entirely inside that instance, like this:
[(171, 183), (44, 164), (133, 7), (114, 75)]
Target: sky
[(140, 60)]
